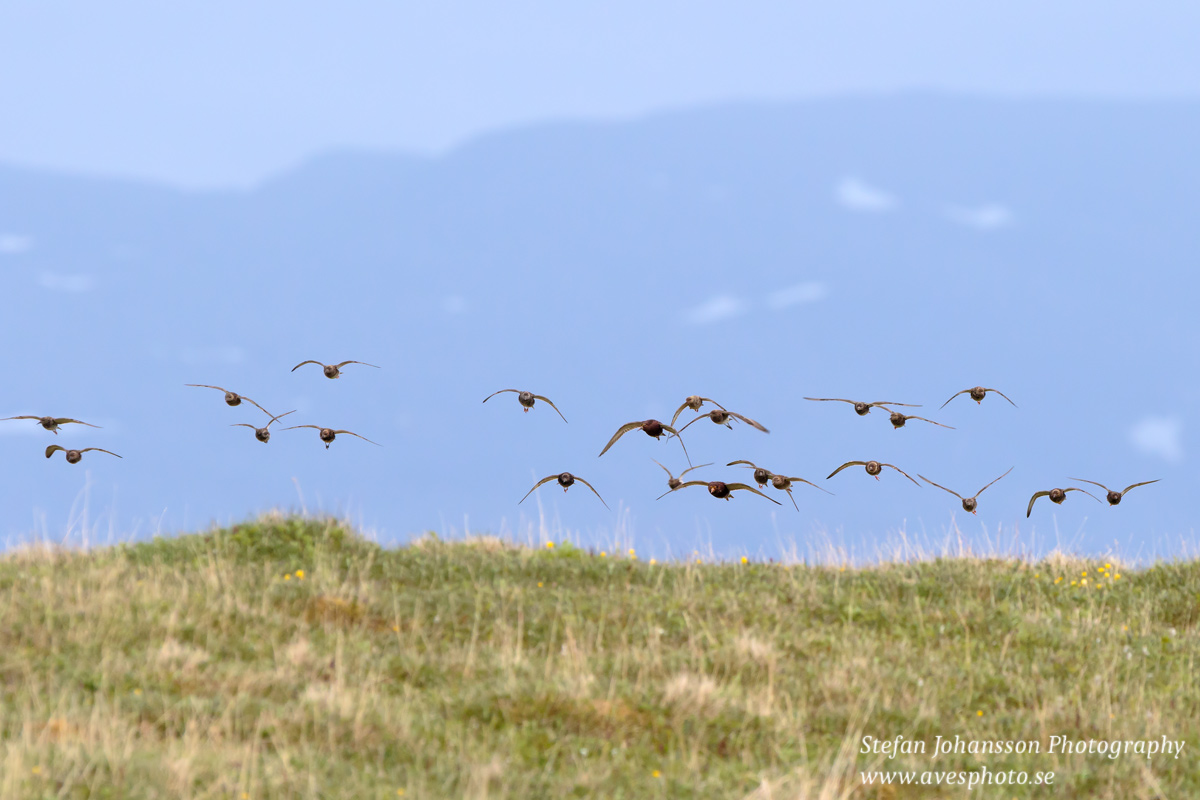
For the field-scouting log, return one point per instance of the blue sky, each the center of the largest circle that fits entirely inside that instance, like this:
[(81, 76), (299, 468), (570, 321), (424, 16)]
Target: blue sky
[(224, 93)]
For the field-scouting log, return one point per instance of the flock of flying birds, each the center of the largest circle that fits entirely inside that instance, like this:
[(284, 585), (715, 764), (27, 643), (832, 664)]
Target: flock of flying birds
[(723, 490), (651, 427), (263, 434)]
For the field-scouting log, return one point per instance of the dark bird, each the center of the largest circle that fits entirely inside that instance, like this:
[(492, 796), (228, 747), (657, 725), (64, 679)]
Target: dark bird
[(1057, 496), (785, 484), (527, 399), (968, 503), (722, 490), (761, 476), (721, 417), (231, 398), (873, 469), (329, 434), (652, 427), (674, 482), (694, 402), (897, 419), (74, 456), (262, 434), (1114, 498), (332, 370), (51, 423), (565, 480), (977, 394), (861, 408)]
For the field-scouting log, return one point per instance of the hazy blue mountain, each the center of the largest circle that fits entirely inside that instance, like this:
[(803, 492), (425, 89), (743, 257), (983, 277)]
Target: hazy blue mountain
[(896, 248)]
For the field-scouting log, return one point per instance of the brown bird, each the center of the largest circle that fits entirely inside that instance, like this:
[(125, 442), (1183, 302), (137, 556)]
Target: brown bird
[(977, 394), (565, 480), (897, 419), (721, 417), (332, 370), (1057, 496), (785, 484), (329, 434), (761, 476), (231, 398), (1114, 498), (722, 490), (873, 469), (74, 456), (861, 408), (652, 427), (527, 399), (968, 503), (694, 402), (262, 434), (51, 423), (674, 482)]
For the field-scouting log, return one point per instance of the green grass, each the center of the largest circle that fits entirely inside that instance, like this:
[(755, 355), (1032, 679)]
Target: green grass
[(205, 666)]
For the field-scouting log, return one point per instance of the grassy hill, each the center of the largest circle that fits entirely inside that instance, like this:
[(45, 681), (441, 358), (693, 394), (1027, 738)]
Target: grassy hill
[(290, 657)]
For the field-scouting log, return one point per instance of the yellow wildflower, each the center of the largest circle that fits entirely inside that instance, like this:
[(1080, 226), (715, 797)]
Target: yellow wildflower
[(745, 560), (300, 574)]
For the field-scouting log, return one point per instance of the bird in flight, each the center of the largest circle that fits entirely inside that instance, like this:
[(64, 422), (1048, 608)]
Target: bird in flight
[(674, 482), (784, 483), (565, 480), (861, 408), (873, 469), (329, 434), (721, 417), (332, 370), (694, 402), (231, 398), (968, 503), (897, 419), (977, 393), (263, 434), (527, 399), (1057, 496), (51, 423), (74, 456), (722, 490), (1114, 498), (652, 428), (761, 476)]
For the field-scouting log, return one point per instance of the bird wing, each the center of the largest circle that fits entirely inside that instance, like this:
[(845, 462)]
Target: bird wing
[(281, 416), (810, 483), (244, 425), (751, 464), (684, 486), (902, 472), (302, 363), (748, 421), (207, 386), (680, 438), (365, 364), (621, 431), (1010, 469), (1085, 491), (365, 439), (938, 485), (927, 420), (1101, 485), (502, 391), (827, 399), (1002, 394), (890, 403), (689, 469), (536, 485), (735, 486), (24, 416), (256, 405), (1036, 495), (65, 420), (1143, 483), (843, 466), (704, 400), (956, 394), (706, 415), (792, 497), (101, 449), (669, 475), (593, 488), (679, 411), (50, 449), (549, 403)]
